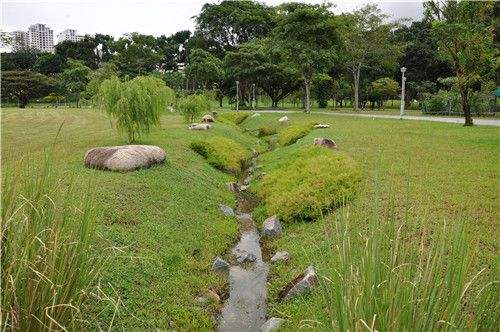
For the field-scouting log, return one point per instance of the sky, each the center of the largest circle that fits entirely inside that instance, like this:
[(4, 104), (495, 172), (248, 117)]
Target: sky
[(155, 17)]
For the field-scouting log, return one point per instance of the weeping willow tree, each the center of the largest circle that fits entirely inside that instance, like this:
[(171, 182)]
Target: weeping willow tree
[(136, 104)]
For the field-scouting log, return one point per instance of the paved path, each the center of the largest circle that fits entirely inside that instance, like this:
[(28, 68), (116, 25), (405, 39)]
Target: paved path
[(477, 121)]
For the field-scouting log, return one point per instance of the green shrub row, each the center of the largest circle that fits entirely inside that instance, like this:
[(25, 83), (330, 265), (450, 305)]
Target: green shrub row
[(222, 153), (291, 134), (233, 117), (313, 181), (266, 131)]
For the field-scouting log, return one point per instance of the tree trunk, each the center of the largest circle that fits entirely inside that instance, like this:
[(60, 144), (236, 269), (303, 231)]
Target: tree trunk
[(356, 73), (22, 102), (308, 96), (464, 92)]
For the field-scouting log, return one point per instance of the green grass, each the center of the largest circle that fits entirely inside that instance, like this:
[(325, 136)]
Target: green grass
[(160, 227), (233, 117), (222, 153), (294, 132)]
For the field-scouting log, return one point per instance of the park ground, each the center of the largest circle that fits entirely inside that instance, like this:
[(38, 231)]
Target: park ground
[(159, 229)]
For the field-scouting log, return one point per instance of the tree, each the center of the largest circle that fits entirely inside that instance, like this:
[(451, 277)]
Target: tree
[(21, 60), (367, 42), (381, 90), (464, 34), (173, 49), (308, 36), (204, 68), (323, 88), (75, 78), (49, 64), (26, 85), (84, 50), (136, 104), (342, 90), (192, 106), (136, 54), (107, 70)]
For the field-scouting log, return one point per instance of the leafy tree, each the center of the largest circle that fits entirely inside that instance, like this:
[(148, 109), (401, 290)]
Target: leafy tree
[(204, 68), (342, 90), (308, 36), (173, 49), (49, 64), (231, 23), (20, 60), (75, 78), (136, 104), (367, 41), (26, 85), (464, 34), (84, 50), (173, 79), (192, 106), (102, 48), (381, 90), (136, 54), (323, 88), (107, 70)]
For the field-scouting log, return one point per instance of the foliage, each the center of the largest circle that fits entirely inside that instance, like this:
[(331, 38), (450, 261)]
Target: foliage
[(222, 153), (313, 180), (83, 50), (192, 106), (18, 61), (136, 104), (267, 131), (323, 88), (48, 259), (381, 90), (49, 64), (75, 78), (233, 117), (26, 85), (104, 72), (292, 133), (173, 50), (204, 68), (174, 80)]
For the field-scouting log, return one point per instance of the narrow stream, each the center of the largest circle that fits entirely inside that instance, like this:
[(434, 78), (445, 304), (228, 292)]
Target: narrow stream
[(245, 309)]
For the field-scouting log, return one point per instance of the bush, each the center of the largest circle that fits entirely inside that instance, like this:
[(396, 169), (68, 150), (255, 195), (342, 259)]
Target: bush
[(48, 263), (234, 117), (291, 134), (192, 106), (266, 131), (136, 104), (312, 181), (222, 153)]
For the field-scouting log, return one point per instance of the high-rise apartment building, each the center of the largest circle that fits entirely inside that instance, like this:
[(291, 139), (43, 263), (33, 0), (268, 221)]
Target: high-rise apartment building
[(19, 40), (68, 34), (41, 37)]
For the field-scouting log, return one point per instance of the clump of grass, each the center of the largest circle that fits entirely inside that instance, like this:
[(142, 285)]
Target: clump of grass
[(266, 131), (47, 262), (313, 180), (233, 117), (291, 134), (222, 153)]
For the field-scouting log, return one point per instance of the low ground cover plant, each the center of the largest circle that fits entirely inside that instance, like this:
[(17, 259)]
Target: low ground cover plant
[(234, 117), (292, 133), (266, 131), (311, 182), (222, 153), (192, 106)]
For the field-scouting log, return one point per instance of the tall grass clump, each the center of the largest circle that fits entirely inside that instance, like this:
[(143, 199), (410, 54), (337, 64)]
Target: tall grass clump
[(291, 134), (222, 153), (384, 275), (311, 181), (136, 104), (47, 259), (192, 106), (233, 117)]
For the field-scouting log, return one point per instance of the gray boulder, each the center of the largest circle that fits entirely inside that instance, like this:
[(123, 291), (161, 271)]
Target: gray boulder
[(226, 210), (272, 324), (271, 226), (207, 118), (326, 142), (300, 285), (124, 158), (233, 187), (280, 256), (219, 265), (199, 126)]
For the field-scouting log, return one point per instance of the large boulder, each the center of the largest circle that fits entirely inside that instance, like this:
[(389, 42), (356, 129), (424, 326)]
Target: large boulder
[(199, 126), (300, 285), (207, 118), (124, 158), (326, 142), (271, 227)]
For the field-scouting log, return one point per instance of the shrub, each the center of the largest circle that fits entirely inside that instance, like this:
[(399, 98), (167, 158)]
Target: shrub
[(136, 104), (222, 153), (266, 131), (291, 134), (234, 117), (192, 106), (48, 262), (312, 181)]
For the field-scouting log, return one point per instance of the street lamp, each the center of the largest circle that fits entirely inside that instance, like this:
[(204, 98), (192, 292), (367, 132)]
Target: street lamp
[(253, 99), (403, 81), (237, 94)]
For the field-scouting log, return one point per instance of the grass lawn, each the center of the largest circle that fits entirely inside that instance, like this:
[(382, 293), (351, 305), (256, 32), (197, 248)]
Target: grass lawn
[(161, 229)]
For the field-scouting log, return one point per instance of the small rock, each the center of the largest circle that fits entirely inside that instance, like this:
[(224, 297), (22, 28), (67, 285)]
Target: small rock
[(272, 324), (255, 114), (326, 142), (283, 119), (244, 217), (233, 187), (219, 265), (247, 180), (244, 187), (322, 125), (271, 226), (226, 210), (199, 126), (300, 285), (244, 256), (280, 256), (207, 118)]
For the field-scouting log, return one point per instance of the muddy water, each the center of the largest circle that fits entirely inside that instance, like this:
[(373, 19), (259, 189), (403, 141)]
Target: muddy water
[(245, 309)]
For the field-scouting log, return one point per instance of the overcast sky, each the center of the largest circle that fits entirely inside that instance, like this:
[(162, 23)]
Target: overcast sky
[(155, 17)]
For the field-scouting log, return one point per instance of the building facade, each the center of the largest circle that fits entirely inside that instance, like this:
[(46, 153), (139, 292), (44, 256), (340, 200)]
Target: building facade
[(68, 34), (41, 37), (19, 40)]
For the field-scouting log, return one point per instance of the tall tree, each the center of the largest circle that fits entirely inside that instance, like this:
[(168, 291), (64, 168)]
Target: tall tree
[(367, 40), (136, 54), (49, 64), (106, 71), (83, 50), (173, 49), (26, 85), (204, 68), (308, 36), (75, 78), (20, 60), (464, 31)]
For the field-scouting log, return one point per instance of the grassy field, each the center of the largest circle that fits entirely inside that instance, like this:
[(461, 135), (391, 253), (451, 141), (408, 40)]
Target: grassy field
[(161, 229)]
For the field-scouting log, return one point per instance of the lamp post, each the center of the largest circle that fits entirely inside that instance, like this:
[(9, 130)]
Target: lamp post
[(403, 81), (237, 94), (253, 98)]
